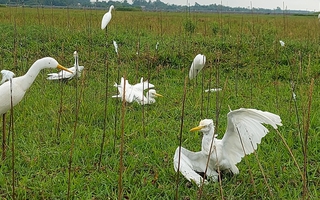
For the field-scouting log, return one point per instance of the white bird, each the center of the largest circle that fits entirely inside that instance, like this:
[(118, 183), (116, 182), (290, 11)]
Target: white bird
[(149, 98), (22, 83), (282, 43), (132, 92), (72, 71), (213, 90), (228, 151), (106, 18), (6, 75), (115, 46), (198, 63)]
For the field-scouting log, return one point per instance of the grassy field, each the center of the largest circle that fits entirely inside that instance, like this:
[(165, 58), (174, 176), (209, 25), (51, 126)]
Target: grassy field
[(56, 121)]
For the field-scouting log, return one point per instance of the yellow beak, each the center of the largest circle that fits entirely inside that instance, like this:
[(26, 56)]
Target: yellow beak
[(198, 128), (158, 95), (63, 68)]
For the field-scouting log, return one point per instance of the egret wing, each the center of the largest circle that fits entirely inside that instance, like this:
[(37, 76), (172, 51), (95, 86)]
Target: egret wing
[(105, 20), (196, 66), (247, 125), (143, 85), (190, 164)]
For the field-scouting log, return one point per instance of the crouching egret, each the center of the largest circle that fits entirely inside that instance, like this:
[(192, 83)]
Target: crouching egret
[(22, 83), (135, 92), (106, 18), (198, 63), (244, 132), (6, 75), (73, 71)]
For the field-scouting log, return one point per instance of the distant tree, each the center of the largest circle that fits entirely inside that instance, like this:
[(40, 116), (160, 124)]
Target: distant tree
[(139, 2)]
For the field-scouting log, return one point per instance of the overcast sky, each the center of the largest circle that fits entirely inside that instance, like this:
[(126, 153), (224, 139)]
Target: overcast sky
[(311, 5)]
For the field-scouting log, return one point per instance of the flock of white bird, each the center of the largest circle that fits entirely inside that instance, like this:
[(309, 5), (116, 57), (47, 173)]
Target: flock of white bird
[(244, 130)]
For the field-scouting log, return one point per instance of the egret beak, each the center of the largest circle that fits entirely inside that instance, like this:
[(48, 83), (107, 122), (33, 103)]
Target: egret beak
[(158, 95), (198, 128), (63, 68)]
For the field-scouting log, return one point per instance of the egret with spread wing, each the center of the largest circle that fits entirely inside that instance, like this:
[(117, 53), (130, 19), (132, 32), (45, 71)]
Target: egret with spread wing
[(198, 63), (106, 18), (244, 132), (67, 75)]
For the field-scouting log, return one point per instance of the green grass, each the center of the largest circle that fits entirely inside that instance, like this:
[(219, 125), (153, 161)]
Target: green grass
[(243, 50)]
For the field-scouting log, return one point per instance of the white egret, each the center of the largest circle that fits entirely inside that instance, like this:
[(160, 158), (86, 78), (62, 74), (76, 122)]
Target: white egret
[(22, 83), (132, 92), (213, 90), (106, 18), (198, 63), (282, 43), (72, 71), (115, 46), (6, 75), (244, 132)]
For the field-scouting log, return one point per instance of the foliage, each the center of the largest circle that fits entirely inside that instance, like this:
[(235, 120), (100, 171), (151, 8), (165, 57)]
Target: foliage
[(189, 26)]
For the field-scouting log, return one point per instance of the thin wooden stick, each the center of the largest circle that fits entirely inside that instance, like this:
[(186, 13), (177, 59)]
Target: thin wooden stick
[(202, 94), (12, 143), (58, 134), (262, 171), (180, 137), (212, 145), (4, 136), (208, 96), (117, 106), (290, 152), (250, 171), (305, 156), (105, 105), (123, 112), (77, 101)]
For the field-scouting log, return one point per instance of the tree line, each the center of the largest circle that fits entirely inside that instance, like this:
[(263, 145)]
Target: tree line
[(149, 5)]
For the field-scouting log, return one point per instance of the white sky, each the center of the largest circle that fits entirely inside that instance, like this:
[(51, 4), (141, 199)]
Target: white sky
[(311, 5)]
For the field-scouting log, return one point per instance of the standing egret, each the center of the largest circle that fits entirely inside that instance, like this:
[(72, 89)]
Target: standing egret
[(132, 92), (14, 90), (244, 132), (198, 63), (22, 83), (106, 18), (72, 71), (6, 75)]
